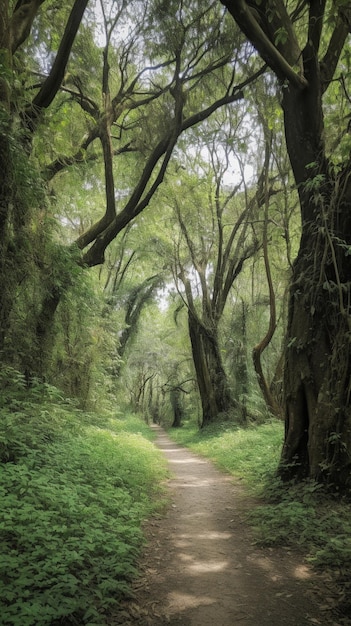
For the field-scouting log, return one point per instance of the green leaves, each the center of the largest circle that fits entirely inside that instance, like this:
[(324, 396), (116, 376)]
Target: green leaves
[(72, 501), (280, 36)]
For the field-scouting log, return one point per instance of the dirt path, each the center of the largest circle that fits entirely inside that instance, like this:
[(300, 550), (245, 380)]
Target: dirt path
[(201, 567)]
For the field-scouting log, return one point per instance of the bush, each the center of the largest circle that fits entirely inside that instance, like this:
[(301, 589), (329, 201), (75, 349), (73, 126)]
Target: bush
[(74, 495)]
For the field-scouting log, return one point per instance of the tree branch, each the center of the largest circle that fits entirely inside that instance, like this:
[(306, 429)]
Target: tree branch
[(22, 20), (315, 22), (335, 47), (53, 82), (110, 212), (137, 203), (262, 345), (246, 20)]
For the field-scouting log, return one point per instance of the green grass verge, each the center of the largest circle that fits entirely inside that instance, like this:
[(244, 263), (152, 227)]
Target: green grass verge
[(301, 515), (74, 491), (248, 453)]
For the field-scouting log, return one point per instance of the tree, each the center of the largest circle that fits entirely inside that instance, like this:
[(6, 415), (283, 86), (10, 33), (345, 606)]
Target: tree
[(130, 285), (216, 238), (19, 189), (304, 44), (259, 348), (153, 73)]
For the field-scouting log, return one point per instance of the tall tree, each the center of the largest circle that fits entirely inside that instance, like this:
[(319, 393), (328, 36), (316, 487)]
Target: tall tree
[(18, 121), (304, 43), (216, 239), (133, 84)]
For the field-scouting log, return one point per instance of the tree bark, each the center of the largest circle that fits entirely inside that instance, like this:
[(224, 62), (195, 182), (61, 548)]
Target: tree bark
[(318, 364), (178, 412), (211, 378), (318, 353)]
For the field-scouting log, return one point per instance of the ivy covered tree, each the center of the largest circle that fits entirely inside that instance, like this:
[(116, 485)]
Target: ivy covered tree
[(306, 46)]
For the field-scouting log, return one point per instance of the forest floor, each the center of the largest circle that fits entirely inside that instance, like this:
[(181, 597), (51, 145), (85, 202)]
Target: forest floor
[(201, 566)]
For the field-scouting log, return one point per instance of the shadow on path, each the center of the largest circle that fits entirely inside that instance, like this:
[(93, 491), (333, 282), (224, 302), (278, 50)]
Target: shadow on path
[(201, 568)]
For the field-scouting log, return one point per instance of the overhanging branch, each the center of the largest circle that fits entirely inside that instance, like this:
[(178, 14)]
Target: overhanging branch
[(138, 201), (248, 23), (53, 82)]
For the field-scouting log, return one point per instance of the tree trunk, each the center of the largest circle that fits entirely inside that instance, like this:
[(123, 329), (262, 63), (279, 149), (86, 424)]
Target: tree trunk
[(242, 371), (318, 359), (6, 188), (211, 378), (176, 402), (318, 363), (317, 384)]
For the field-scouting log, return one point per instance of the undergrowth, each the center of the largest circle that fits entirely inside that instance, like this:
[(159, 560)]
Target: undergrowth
[(74, 490), (301, 515)]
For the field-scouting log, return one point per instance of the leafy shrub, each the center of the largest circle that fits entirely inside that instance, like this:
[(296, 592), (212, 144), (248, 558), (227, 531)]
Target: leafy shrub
[(73, 498)]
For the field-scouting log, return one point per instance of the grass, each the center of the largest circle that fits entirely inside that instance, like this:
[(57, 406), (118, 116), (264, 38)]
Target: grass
[(300, 515), (249, 453), (75, 489)]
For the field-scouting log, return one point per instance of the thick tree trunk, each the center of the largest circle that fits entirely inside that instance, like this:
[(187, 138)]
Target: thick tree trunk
[(318, 368), (318, 348), (211, 378)]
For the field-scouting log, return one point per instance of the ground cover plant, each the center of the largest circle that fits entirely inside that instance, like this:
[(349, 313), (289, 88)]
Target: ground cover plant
[(302, 515), (74, 489)]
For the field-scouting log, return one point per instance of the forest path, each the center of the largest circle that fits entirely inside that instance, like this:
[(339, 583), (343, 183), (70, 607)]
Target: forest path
[(200, 566)]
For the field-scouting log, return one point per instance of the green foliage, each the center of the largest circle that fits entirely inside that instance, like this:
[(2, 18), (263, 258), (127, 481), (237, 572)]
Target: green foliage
[(245, 452), (303, 514), (78, 345), (74, 491), (280, 36), (300, 514)]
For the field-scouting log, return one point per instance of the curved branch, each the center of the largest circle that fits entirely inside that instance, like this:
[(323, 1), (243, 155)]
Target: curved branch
[(79, 157), (110, 214), (53, 82), (335, 47), (262, 345), (21, 21), (250, 26), (137, 203)]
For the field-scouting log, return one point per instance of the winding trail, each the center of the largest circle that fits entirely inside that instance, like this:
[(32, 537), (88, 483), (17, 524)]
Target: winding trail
[(201, 568)]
